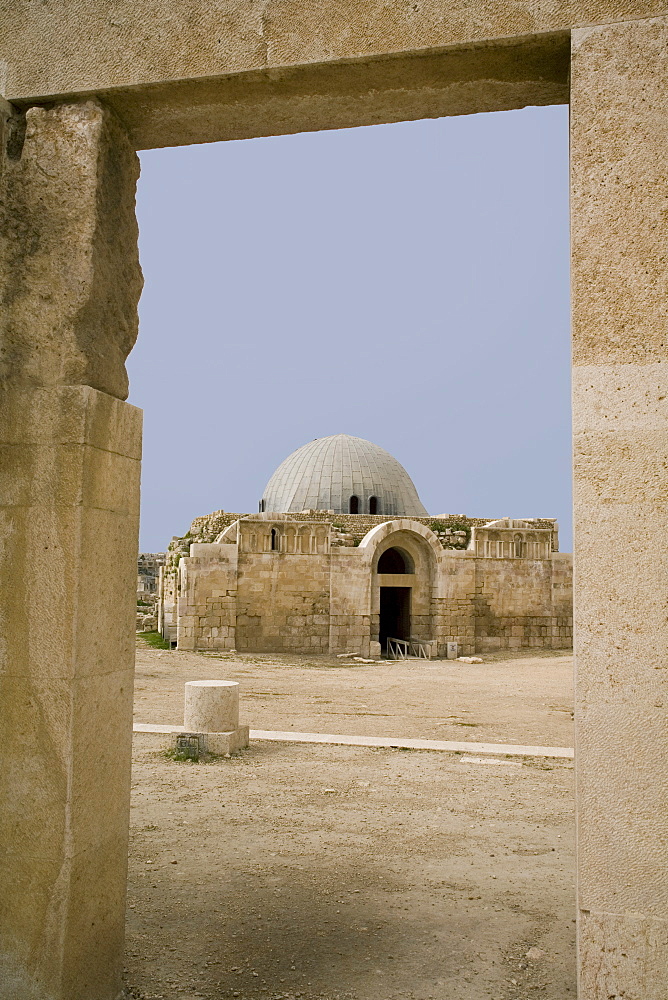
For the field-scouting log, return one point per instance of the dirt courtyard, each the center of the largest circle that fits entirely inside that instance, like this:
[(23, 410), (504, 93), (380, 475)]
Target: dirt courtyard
[(301, 871)]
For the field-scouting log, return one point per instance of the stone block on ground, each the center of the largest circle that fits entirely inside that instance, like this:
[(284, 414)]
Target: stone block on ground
[(218, 744)]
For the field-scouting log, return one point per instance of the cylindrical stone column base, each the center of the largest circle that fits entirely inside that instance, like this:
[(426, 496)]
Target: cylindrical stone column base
[(211, 706)]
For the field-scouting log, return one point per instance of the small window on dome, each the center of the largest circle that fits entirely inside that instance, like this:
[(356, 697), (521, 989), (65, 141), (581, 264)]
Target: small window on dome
[(274, 540), (373, 505), (354, 505)]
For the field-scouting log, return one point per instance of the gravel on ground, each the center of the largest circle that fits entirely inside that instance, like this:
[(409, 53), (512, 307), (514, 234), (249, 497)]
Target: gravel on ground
[(526, 699), (311, 872)]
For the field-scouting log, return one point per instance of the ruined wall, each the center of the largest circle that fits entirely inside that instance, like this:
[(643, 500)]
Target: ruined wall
[(523, 589), (351, 624), (283, 587), (446, 526), (207, 605), (167, 603), (283, 603), (148, 569), (514, 604), (562, 594), (453, 603)]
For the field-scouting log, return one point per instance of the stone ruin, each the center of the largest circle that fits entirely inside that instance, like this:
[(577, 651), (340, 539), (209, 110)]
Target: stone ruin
[(81, 91), (149, 565)]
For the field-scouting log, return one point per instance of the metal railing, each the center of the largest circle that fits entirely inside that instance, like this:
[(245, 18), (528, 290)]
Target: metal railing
[(404, 649)]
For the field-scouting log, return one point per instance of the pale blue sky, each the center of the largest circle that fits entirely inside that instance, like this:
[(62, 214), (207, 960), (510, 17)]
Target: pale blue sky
[(403, 283)]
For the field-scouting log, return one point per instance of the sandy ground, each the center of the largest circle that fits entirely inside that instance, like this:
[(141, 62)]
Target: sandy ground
[(299, 871), (526, 700)]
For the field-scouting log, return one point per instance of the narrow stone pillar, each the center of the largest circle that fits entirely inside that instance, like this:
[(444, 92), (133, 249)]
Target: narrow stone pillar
[(69, 468), (619, 137)]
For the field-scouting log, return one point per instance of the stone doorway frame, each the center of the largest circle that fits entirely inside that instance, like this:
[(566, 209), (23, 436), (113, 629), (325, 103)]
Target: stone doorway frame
[(81, 95), (403, 612)]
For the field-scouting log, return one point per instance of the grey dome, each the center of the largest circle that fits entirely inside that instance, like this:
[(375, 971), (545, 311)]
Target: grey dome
[(326, 473)]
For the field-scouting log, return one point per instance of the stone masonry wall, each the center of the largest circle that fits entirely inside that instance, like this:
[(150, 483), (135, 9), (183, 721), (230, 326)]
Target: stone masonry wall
[(453, 603), (350, 624), (514, 607), (283, 602), (167, 606), (207, 528), (562, 590), (208, 598), (281, 587)]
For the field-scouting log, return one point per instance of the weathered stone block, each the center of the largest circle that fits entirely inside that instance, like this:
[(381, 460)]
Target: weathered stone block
[(67, 677), (70, 254)]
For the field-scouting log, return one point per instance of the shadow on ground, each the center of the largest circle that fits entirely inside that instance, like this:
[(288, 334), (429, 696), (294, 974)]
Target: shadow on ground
[(349, 874)]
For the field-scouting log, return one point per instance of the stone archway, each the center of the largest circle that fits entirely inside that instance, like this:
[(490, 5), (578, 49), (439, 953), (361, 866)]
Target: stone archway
[(67, 173), (402, 556)]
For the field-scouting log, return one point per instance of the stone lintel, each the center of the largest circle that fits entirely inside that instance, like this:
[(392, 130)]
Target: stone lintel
[(454, 80)]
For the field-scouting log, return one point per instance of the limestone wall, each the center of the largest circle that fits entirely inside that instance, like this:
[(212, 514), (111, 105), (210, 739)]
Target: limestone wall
[(207, 605), (453, 602), (167, 603), (562, 593), (446, 526), (351, 625), (280, 585), (514, 606), (148, 568), (283, 604), (486, 604)]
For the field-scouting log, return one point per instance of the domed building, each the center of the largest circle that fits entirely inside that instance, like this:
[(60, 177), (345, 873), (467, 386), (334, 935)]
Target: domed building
[(343, 557), (345, 475)]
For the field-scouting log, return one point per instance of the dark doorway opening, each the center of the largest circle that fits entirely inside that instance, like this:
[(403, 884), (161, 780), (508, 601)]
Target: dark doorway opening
[(395, 614), (354, 505), (395, 561)]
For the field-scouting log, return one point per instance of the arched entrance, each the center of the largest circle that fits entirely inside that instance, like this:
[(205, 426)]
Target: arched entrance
[(402, 558)]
